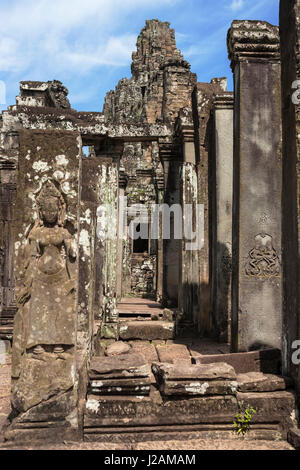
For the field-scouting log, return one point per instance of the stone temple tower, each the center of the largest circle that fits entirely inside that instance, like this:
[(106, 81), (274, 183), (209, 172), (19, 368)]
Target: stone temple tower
[(161, 82)]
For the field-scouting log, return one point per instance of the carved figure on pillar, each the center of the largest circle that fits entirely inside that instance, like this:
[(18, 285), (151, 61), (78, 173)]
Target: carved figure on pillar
[(44, 322)]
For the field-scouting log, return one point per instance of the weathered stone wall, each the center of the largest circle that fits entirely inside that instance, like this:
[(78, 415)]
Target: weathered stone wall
[(143, 270)]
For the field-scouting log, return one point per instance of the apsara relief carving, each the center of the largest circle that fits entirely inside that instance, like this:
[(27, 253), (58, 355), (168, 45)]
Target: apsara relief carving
[(46, 301)]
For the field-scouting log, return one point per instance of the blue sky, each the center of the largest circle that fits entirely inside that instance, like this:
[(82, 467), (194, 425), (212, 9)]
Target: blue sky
[(88, 44)]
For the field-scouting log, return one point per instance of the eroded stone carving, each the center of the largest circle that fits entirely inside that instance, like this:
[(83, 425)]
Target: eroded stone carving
[(45, 320), (263, 261), (58, 93)]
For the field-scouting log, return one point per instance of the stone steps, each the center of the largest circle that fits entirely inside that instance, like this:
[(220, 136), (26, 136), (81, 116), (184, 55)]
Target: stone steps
[(128, 401)]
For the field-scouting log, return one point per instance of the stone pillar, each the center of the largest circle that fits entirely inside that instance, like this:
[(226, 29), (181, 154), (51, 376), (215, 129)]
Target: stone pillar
[(290, 55), (189, 301), (257, 275), (7, 294), (201, 100), (46, 243), (107, 234), (172, 247), (160, 189), (121, 236), (222, 180), (89, 309)]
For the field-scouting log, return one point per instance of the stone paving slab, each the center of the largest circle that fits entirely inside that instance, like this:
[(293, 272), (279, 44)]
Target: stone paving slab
[(173, 352), (145, 348), (5, 371), (197, 445), (206, 347)]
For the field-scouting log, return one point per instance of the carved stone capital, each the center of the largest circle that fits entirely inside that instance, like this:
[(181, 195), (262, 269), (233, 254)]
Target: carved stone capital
[(223, 101), (253, 40)]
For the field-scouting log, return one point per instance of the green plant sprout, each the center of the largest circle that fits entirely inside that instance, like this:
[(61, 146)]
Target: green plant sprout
[(242, 420)]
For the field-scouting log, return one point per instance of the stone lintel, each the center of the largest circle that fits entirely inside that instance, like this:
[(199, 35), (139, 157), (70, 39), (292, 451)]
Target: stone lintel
[(253, 40)]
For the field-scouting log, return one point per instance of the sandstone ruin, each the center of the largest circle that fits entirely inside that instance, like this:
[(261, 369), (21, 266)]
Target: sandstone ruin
[(119, 338)]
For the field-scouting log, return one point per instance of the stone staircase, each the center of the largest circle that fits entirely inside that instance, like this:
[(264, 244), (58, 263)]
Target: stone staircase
[(153, 389), (142, 319)]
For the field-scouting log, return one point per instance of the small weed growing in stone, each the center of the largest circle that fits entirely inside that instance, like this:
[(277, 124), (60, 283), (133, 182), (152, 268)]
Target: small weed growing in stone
[(242, 420)]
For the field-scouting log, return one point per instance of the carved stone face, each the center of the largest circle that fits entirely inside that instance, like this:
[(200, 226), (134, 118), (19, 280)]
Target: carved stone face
[(50, 210)]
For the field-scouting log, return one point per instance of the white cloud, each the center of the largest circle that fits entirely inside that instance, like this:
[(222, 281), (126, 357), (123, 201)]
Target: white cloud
[(116, 52), (237, 5), (66, 34)]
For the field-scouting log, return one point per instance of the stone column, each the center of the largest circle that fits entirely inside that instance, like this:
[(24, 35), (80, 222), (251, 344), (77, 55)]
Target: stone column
[(172, 247), (201, 100), (121, 236), (189, 301), (107, 235), (7, 294), (222, 180), (160, 189), (46, 243), (88, 306), (257, 275), (290, 55)]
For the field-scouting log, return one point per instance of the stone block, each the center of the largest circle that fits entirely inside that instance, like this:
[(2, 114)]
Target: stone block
[(35, 386), (173, 352), (125, 374), (121, 386), (114, 412), (181, 379), (259, 382), (146, 349), (168, 315), (272, 407), (267, 361), (117, 348), (110, 331), (123, 366), (220, 371), (146, 330)]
